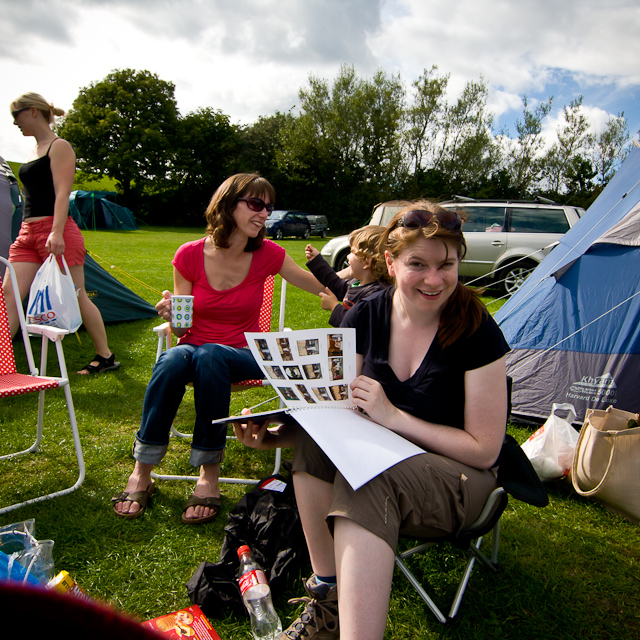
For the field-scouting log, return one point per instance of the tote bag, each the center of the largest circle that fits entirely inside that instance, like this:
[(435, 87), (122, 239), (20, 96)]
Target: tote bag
[(53, 298), (606, 465)]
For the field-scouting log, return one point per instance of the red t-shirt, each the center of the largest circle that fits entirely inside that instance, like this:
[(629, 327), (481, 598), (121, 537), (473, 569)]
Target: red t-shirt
[(222, 317)]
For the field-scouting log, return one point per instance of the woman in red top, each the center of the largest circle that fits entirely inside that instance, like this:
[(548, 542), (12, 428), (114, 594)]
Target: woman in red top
[(225, 272), (47, 180)]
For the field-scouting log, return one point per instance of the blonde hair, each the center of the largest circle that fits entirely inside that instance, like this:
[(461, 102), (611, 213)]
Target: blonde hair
[(365, 245), (464, 311), (28, 100)]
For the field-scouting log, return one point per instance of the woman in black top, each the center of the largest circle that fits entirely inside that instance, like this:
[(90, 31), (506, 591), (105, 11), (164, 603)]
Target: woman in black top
[(47, 180), (432, 369)]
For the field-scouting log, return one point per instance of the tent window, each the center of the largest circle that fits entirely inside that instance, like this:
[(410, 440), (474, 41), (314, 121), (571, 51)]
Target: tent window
[(538, 220)]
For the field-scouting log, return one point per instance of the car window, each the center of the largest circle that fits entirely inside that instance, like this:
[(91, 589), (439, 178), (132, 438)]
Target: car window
[(539, 220), (276, 215), (484, 219)]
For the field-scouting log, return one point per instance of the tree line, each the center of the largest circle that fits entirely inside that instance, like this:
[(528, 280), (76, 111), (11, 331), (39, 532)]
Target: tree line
[(357, 141)]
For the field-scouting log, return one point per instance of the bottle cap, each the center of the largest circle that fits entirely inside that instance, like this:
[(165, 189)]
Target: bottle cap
[(243, 549)]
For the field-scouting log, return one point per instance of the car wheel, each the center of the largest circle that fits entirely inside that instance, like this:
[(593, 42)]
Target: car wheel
[(511, 277), (306, 234), (278, 234), (323, 234), (341, 260)]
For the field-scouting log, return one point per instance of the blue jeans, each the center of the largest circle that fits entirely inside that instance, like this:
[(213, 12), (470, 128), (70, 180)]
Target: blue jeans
[(212, 368)]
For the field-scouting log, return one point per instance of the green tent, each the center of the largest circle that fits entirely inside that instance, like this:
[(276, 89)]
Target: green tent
[(93, 210)]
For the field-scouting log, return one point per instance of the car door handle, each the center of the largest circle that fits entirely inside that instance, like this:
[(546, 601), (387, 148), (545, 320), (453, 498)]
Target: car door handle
[(497, 243)]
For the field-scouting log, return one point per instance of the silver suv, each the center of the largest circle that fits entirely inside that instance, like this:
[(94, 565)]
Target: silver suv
[(506, 240)]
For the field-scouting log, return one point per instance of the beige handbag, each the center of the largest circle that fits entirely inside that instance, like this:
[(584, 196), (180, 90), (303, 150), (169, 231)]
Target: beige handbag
[(606, 465)]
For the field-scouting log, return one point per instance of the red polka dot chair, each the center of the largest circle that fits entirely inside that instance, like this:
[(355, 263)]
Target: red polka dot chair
[(164, 342), (13, 383)]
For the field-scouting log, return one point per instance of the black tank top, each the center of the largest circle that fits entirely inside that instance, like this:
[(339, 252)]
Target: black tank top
[(37, 182)]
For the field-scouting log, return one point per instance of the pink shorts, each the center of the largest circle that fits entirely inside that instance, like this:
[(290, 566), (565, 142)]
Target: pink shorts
[(29, 246)]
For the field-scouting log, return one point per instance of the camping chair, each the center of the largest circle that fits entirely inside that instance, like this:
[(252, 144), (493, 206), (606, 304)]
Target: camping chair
[(516, 477), (164, 342), (468, 540), (13, 383)]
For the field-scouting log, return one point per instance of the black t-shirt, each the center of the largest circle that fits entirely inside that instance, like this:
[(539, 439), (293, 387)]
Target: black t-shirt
[(435, 392)]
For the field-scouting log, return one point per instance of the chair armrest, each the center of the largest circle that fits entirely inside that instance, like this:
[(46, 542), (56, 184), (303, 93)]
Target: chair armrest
[(163, 330), (53, 333)]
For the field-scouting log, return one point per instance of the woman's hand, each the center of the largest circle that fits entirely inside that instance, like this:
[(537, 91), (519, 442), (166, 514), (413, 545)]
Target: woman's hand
[(55, 243), (369, 396), (328, 300), (164, 306), (255, 435)]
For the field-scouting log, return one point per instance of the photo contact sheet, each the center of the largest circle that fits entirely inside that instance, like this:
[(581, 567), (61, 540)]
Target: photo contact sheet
[(308, 368)]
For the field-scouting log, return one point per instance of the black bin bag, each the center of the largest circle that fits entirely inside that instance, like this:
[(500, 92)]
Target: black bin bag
[(267, 520)]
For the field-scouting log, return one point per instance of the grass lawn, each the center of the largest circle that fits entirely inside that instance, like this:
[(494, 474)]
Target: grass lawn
[(570, 570)]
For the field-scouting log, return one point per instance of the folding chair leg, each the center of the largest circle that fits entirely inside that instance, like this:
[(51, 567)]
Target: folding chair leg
[(79, 458), (418, 587), (248, 481)]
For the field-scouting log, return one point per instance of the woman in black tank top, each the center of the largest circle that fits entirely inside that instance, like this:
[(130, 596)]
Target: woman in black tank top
[(46, 228)]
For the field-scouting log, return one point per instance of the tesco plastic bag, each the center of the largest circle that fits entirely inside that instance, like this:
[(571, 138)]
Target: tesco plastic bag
[(53, 298), (551, 448)]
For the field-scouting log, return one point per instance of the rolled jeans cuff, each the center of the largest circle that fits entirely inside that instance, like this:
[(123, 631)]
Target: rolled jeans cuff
[(149, 453), (199, 457), (153, 454)]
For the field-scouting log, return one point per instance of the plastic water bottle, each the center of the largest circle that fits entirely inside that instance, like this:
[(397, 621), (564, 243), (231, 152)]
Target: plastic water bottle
[(265, 623)]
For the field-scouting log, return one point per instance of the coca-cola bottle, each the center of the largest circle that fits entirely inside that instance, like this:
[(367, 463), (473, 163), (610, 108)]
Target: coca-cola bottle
[(265, 623)]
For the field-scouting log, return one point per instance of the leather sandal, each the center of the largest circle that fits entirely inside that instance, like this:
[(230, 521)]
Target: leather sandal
[(104, 364), (197, 501), (141, 497)]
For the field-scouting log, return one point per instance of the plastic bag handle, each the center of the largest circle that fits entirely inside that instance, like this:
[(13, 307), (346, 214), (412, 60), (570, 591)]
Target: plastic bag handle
[(565, 406)]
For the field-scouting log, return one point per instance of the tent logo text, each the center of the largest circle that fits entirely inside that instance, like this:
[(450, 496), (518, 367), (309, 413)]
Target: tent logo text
[(594, 389)]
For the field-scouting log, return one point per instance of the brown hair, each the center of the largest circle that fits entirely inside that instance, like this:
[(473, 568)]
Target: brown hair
[(219, 213), (365, 244), (28, 100), (464, 311)]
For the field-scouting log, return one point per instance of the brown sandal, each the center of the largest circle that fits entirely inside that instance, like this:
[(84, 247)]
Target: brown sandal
[(141, 497), (196, 501)]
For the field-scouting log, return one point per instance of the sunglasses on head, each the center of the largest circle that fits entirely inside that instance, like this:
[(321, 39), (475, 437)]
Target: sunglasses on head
[(417, 218), (257, 204), (15, 114)]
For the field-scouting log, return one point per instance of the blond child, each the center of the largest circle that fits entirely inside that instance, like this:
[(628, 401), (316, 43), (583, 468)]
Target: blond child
[(367, 270)]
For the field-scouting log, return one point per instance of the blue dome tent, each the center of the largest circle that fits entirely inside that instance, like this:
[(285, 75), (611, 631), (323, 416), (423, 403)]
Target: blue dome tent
[(93, 210), (574, 325)]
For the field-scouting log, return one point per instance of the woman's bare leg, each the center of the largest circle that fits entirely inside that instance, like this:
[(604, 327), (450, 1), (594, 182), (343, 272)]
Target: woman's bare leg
[(365, 570)]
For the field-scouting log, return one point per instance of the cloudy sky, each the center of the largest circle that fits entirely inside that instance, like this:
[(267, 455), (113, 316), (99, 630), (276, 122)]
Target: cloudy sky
[(250, 57)]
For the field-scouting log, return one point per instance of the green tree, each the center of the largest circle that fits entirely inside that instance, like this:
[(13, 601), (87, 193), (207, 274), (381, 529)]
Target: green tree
[(609, 148), (424, 121), (468, 152), (574, 140), (523, 156), (206, 144), (125, 127), (344, 148)]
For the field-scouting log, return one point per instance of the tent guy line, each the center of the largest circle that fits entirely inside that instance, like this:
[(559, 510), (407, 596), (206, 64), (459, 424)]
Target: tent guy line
[(526, 361)]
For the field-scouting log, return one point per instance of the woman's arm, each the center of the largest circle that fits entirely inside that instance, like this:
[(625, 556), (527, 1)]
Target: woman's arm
[(485, 416), (181, 286), (298, 277), (63, 169)]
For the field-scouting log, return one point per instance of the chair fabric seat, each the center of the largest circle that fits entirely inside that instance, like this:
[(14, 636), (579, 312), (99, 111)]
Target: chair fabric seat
[(15, 384)]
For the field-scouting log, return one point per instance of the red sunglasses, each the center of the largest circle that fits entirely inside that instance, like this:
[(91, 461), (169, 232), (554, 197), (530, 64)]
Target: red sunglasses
[(417, 218), (257, 204)]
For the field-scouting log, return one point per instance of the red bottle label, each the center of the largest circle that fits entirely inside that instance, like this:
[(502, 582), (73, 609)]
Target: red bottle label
[(251, 579)]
